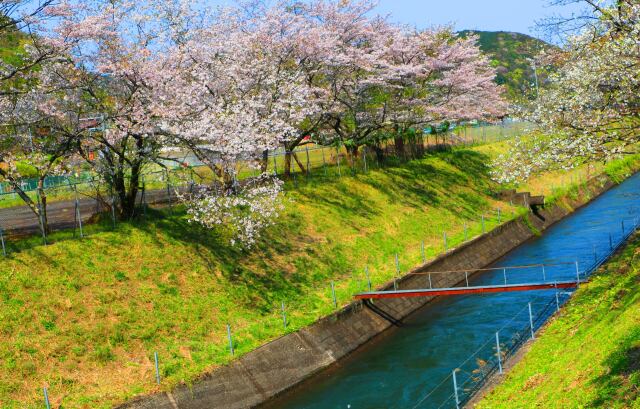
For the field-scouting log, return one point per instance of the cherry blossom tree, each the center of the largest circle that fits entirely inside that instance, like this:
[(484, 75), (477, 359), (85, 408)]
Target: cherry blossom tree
[(119, 49), (232, 85), (28, 80), (591, 109), (241, 93), (435, 76)]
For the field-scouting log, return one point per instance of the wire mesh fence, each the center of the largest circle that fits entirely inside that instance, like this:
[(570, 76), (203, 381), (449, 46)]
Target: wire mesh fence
[(470, 376), (463, 382), (71, 202)]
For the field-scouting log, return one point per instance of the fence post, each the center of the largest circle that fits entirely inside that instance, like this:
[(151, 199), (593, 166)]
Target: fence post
[(284, 317), (46, 398), (4, 249), (444, 236), (324, 162), (113, 211), (155, 358), (275, 163), (144, 198), (308, 167), (610, 242), (504, 273), (333, 294), (424, 256), (466, 277), (366, 272), (169, 190), (430, 285), (78, 216), (531, 322), (498, 351), (455, 389), (397, 266), (499, 217), (364, 156), (544, 274), (230, 339), (557, 301)]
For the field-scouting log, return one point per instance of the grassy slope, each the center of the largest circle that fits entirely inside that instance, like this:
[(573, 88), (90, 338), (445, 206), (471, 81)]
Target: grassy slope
[(84, 316), (589, 357)]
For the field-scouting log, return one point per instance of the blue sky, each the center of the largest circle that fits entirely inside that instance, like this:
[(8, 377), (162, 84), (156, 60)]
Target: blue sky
[(493, 15)]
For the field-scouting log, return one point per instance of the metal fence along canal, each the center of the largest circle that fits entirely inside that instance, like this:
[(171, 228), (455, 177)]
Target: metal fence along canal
[(413, 366)]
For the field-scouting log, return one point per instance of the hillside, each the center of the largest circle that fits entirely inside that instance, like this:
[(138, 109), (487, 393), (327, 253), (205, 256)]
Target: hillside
[(510, 54), (588, 357), (84, 317), (11, 44)]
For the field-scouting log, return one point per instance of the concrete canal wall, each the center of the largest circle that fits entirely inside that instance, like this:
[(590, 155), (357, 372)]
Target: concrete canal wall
[(285, 362)]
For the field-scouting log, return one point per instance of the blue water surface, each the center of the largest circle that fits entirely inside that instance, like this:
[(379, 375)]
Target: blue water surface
[(411, 366)]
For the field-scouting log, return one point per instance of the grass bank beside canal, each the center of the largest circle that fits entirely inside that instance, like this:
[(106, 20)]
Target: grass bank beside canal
[(589, 356), (84, 317)]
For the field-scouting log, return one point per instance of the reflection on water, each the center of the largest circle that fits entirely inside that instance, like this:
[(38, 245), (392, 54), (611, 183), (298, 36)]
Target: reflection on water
[(399, 368)]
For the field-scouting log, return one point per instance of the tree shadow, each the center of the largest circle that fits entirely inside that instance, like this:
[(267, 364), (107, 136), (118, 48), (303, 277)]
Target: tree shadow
[(419, 183), (251, 276), (621, 383)]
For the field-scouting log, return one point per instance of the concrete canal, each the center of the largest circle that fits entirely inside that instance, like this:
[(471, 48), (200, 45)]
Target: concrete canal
[(411, 366)]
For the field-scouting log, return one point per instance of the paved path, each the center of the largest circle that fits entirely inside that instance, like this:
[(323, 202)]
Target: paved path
[(20, 221)]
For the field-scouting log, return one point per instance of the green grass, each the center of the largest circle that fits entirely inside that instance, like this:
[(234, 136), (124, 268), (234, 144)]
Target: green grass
[(85, 316), (588, 357)]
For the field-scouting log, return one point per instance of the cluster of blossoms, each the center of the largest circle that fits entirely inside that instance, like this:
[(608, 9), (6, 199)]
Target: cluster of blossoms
[(590, 108), (234, 83), (249, 213)]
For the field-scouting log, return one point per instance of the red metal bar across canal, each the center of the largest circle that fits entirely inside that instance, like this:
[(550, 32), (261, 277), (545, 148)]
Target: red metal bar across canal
[(432, 292)]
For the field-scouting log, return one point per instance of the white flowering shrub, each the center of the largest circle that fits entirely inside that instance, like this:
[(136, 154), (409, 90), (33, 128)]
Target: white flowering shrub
[(246, 210), (589, 111)]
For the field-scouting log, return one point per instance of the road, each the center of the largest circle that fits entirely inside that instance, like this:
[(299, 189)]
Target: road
[(20, 221)]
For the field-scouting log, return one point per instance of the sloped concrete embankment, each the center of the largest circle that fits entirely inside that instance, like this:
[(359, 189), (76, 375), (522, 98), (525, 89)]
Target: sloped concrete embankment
[(283, 363)]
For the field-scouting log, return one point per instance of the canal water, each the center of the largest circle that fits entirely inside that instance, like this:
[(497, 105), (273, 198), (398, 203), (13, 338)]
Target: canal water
[(411, 366)]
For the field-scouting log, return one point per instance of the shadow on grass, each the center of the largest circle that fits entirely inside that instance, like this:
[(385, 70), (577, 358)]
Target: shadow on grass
[(251, 276), (621, 383), (421, 183), (258, 276)]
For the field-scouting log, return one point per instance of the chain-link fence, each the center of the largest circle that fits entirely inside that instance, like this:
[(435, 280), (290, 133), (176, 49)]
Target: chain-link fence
[(71, 202), (465, 381)]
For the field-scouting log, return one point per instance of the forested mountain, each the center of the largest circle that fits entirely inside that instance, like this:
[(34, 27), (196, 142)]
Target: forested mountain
[(511, 54)]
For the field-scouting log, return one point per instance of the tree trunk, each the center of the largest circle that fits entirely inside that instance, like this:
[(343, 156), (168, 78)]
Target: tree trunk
[(264, 163), (300, 164), (420, 145), (43, 206), (379, 153), (287, 163), (398, 142), (127, 196), (352, 154)]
